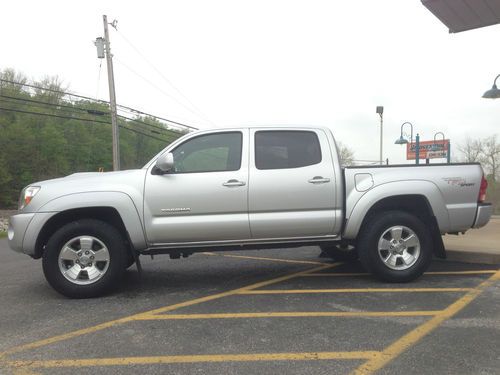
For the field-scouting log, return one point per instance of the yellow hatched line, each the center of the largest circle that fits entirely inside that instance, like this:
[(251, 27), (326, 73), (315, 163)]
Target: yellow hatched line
[(124, 361), (363, 290), (445, 273), (112, 323), (347, 314), (267, 259), (414, 336)]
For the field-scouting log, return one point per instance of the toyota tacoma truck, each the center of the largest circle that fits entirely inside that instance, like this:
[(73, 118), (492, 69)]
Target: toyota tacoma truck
[(245, 188)]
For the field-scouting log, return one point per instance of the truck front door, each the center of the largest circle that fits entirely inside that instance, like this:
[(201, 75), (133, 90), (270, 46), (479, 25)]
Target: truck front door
[(204, 198)]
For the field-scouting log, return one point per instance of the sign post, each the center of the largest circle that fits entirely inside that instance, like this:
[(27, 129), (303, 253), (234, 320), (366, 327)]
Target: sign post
[(417, 148)]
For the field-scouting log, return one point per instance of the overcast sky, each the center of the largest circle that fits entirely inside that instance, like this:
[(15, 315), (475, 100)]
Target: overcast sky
[(326, 63)]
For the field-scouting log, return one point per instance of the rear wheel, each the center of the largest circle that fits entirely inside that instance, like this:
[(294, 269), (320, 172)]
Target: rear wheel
[(395, 246), (85, 258)]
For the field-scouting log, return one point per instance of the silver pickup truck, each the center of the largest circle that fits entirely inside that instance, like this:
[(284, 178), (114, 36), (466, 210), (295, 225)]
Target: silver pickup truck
[(245, 188)]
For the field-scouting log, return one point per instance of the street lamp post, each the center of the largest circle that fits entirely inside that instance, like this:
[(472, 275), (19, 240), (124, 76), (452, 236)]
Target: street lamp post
[(402, 140), (437, 134), (448, 146), (380, 111)]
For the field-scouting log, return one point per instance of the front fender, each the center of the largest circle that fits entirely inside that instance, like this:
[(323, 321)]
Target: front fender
[(358, 204), (114, 199)]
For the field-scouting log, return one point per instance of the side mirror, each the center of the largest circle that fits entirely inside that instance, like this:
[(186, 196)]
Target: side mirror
[(165, 162)]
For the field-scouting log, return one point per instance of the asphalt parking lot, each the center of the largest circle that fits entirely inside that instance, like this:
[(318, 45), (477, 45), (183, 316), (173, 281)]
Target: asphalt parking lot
[(260, 312)]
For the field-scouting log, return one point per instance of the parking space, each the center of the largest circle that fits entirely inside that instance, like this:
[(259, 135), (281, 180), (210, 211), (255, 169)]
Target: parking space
[(278, 311)]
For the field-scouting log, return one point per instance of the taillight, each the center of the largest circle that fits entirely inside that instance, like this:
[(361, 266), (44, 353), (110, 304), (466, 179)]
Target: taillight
[(482, 190)]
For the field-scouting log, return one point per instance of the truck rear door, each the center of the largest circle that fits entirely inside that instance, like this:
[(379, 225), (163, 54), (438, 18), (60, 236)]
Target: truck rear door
[(291, 183)]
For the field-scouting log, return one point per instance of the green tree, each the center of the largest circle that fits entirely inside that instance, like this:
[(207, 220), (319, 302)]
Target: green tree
[(35, 146)]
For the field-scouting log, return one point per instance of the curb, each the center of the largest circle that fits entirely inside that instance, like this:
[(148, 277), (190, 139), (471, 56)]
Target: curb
[(472, 257)]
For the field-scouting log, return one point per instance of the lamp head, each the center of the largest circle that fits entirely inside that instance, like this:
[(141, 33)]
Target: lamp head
[(493, 93), (401, 141)]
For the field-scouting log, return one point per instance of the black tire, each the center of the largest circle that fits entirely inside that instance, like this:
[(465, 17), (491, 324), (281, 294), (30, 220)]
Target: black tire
[(99, 230), (339, 252), (368, 246)]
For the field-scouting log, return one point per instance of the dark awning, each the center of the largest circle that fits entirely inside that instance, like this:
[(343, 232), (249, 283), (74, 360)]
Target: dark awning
[(462, 15)]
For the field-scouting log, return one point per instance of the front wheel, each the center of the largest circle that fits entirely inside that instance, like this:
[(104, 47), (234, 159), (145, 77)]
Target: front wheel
[(85, 258), (395, 246)]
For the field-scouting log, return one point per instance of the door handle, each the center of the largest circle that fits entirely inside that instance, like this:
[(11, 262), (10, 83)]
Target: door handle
[(319, 180), (233, 182)]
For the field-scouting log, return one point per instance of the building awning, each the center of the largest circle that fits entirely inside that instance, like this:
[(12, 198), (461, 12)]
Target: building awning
[(462, 15)]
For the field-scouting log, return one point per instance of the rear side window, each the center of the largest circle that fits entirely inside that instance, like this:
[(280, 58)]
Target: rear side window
[(283, 149)]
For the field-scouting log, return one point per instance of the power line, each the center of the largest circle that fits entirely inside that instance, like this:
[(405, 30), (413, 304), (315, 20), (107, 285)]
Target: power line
[(167, 132), (150, 125), (52, 90), (96, 100), (164, 77), (82, 119), (157, 117), (145, 135), (98, 80), (89, 111), (35, 106), (157, 87), (53, 115)]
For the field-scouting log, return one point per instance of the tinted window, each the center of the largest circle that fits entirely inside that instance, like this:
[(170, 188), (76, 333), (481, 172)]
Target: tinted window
[(209, 153), (286, 149)]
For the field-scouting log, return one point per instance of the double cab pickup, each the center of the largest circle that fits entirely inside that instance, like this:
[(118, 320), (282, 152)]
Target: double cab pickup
[(245, 188)]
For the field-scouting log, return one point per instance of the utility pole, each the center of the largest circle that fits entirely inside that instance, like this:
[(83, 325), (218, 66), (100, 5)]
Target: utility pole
[(380, 111), (112, 97)]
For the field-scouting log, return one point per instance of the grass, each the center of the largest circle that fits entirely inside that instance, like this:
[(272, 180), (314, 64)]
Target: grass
[(3, 234)]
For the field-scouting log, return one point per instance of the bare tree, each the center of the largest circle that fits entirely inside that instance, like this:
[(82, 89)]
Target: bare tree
[(9, 76), (51, 89), (485, 151), (491, 153), (346, 155), (472, 150)]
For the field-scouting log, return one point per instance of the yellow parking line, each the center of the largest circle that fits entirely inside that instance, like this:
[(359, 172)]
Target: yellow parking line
[(364, 290), (124, 361), (458, 273), (337, 274), (348, 314), (478, 272), (411, 338), (98, 327), (268, 259)]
